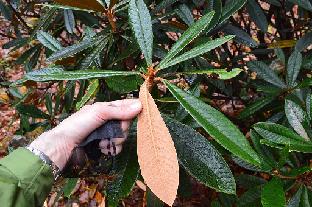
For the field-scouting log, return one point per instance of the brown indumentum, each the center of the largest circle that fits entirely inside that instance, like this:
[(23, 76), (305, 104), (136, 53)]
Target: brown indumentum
[(156, 152)]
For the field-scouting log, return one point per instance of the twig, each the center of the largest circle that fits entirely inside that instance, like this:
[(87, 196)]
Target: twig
[(18, 16)]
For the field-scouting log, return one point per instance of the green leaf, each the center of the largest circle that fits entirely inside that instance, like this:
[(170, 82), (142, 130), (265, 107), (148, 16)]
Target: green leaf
[(91, 90), (123, 84), (57, 73), (230, 8), (255, 106), (222, 74), (58, 6), (304, 42), (196, 51), (128, 171), (190, 34), (249, 181), (141, 23), (273, 194), (69, 19), (214, 5), (257, 15), (26, 55), (240, 35), (44, 21), (293, 68), (305, 200), (297, 118), (250, 197), (89, 60), (280, 135), (216, 124), (152, 200), (6, 11), (295, 200), (48, 103), (185, 14), (200, 158), (69, 186), (305, 4), (31, 111), (266, 73), (72, 50), (48, 41), (163, 4)]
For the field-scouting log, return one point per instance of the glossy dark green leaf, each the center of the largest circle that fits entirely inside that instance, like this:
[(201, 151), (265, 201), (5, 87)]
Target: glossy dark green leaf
[(250, 197), (57, 73), (26, 55), (48, 41), (48, 103), (5, 11), (222, 74), (69, 20), (266, 73), (240, 35), (90, 92), (44, 21), (127, 174), (200, 158), (216, 124), (90, 58), (164, 4), (293, 68), (230, 8), (294, 201), (184, 12), (280, 135), (69, 186), (71, 50), (70, 89), (59, 6), (141, 23), (214, 5), (305, 4), (305, 197), (297, 118), (257, 15), (255, 106), (190, 34), (273, 194), (31, 111), (152, 200), (123, 84), (304, 42), (196, 51), (249, 181)]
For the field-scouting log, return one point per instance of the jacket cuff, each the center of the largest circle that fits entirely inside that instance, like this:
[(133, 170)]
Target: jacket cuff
[(34, 176)]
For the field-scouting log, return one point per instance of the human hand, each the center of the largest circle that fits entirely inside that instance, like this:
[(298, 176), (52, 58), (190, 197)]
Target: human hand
[(59, 142)]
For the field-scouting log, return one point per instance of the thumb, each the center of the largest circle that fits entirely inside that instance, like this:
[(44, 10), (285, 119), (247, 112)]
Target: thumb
[(122, 109)]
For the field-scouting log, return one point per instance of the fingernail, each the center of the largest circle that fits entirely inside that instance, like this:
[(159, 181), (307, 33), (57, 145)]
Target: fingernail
[(136, 104)]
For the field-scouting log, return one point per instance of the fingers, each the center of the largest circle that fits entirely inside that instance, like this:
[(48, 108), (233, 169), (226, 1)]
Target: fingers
[(80, 124), (122, 109), (112, 150), (113, 146)]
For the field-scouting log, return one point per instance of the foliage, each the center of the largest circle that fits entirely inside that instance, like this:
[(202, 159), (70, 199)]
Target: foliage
[(104, 50)]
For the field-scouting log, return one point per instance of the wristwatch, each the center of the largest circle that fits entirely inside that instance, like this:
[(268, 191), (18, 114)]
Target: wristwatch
[(55, 170)]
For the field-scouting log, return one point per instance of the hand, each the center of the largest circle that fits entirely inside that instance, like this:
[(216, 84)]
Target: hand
[(59, 142)]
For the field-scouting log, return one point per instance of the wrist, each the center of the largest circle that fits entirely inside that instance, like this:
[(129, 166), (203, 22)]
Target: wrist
[(55, 146)]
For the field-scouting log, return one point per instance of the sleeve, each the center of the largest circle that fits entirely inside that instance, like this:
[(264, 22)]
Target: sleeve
[(25, 180)]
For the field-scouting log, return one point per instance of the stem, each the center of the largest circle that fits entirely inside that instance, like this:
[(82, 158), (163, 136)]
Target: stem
[(18, 16)]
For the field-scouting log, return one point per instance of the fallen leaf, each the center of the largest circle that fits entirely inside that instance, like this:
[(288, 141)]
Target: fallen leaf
[(156, 153)]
